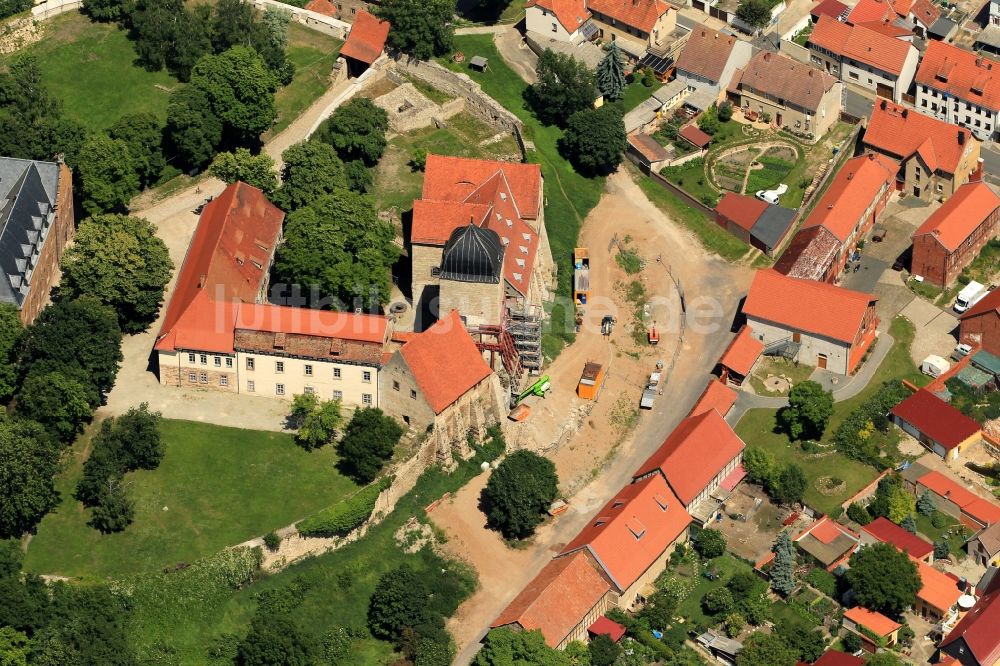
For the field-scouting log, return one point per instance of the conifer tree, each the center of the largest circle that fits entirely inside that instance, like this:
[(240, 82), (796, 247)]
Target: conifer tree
[(782, 572), (611, 74)]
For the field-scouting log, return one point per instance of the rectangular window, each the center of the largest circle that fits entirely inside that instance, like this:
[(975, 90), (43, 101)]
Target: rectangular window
[(308, 390), (218, 361), (309, 370), (853, 75), (203, 378), (338, 395), (366, 398), (192, 377), (190, 358), (224, 380), (279, 389), (204, 359), (395, 386), (251, 387), (279, 366), (249, 363), (366, 377), (413, 394), (229, 361), (336, 373)]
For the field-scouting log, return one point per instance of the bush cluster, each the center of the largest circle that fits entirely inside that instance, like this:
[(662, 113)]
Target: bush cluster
[(855, 436), (345, 515)]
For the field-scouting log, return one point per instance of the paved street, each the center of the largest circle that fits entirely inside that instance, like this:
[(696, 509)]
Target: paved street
[(991, 162)]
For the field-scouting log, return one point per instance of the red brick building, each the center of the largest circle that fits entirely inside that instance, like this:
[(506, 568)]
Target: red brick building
[(981, 324), (955, 234)]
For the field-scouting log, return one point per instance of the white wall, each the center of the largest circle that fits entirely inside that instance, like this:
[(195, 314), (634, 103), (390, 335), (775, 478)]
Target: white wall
[(545, 23), (837, 353)]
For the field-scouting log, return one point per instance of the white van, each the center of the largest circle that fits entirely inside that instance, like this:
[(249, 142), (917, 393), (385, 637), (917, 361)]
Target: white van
[(969, 296)]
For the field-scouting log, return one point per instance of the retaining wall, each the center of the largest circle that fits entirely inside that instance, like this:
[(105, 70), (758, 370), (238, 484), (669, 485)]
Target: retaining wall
[(320, 22)]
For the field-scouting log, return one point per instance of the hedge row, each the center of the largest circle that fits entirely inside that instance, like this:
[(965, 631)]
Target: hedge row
[(345, 515)]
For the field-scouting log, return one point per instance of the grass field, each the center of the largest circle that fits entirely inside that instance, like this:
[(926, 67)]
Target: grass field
[(314, 54), (90, 67), (726, 565), (569, 196), (758, 427), (215, 487), (636, 94)]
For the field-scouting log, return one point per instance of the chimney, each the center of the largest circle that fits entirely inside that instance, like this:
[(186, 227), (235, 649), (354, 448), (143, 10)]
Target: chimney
[(979, 61), (961, 138), (809, 72), (883, 105), (904, 113), (977, 174), (201, 281)]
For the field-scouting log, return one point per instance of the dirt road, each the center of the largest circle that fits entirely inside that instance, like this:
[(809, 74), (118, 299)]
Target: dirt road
[(596, 462)]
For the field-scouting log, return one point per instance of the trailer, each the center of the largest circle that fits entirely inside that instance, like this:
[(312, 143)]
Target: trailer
[(590, 380), (581, 276), (650, 392)]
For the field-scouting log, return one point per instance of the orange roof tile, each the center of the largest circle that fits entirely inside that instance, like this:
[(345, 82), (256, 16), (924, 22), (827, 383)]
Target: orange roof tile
[(455, 178), (571, 14), (887, 28), (742, 209), (834, 8), (641, 14), (324, 7), (874, 622), (937, 589), (867, 11), (695, 136), (366, 40), (706, 53), (805, 305), (960, 215), (648, 147), (903, 133), (717, 396), (887, 531), (861, 44), (433, 221), (696, 451), (558, 598), (936, 419), (989, 303), (978, 630), (315, 323), (633, 530), (228, 259), (983, 510), (742, 352), (964, 74), (861, 181), (827, 531), (925, 12), (445, 362)]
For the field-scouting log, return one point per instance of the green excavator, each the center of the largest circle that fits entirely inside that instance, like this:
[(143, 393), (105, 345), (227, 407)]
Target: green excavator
[(539, 388)]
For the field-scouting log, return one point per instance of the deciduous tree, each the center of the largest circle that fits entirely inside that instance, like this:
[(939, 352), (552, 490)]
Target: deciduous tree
[(105, 10), (368, 442), (121, 262), (603, 651), (594, 140), (58, 402), (274, 640), (143, 134), (420, 28), (718, 601), (11, 334), (519, 492), (755, 13), (107, 175), (356, 131), (565, 85), (504, 647), (240, 91), (790, 485), (311, 170), (114, 510), (28, 461), (400, 600), (610, 74), (761, 649), (256, 170), (710, 543), (884, 579), (809, 409), (316, 421), (193, 130)]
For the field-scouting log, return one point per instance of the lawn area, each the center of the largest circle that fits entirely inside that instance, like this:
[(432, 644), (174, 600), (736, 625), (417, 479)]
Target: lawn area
[(569, 196), (636, 94), (772, 365), (691, 177), (314, 54), (89, 66), (726, 565), (953, 530), (397, 184), (215, 487), (758, 427), (712, 236)]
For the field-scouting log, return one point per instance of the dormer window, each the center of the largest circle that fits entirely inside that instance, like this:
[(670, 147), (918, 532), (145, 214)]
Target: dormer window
[(637, 529), (661, 501)]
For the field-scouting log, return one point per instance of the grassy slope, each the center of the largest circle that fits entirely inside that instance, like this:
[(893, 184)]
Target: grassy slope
[(568, 195), (219, 486), (758, 428), (314, 54), (90, 67)]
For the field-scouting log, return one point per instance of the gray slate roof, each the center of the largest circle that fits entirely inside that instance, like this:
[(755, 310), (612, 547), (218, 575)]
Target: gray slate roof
[(472, 254), (27, 207), (772, 225)]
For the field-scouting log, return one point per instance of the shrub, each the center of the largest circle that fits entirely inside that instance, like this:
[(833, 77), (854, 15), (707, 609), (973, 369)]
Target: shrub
[(859, 513), (272, 541), (710, 543), (851, 642), (824, 581), (345, 515), (854, 437), (939, 519), (725, 111), (942, 549), (718, 602), (734, 624)]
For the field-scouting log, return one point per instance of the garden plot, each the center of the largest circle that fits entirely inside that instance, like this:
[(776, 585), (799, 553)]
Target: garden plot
[(751, 168)]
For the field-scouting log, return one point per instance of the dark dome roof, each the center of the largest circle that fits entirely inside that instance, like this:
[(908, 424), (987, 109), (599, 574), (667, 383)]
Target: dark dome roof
[(472, 254)]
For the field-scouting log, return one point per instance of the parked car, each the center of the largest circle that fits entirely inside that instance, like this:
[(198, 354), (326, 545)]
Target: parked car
[(771, 196), (961, 351), (903, 260)]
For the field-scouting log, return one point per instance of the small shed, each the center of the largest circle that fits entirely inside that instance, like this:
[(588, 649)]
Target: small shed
[(590, 380), (479, 63), (695, 137), (934, 365), (934, 423), (608, 627), (987, 362)]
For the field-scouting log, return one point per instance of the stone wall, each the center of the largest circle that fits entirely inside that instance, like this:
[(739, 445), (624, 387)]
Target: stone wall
[(326, 24), (409, 109)]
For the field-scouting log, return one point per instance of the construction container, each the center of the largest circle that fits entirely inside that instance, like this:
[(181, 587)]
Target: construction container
[(590, 381)]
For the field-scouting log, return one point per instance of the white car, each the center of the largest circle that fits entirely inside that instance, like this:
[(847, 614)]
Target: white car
[(771, 196)]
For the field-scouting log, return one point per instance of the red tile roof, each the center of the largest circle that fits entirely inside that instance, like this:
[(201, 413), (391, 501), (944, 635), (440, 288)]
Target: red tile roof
[(455, 178), (875, 622), (742, 209), (433, 221), (989, 303), (861, 44), (832, 8), (366, 40), (903, 133), (609, 628), (572, 14), (324, 7), (981, 509), (648, 147), (964, 74), (717, 396), (805, 305), (641, 14), (809, 254), (827, 531), (698, 449), (316, 323), (835, 658), (558, 598), (695, 136), (960, 215), (937, 589), (887, 531), (868, 11), (860, 182), (706, 53), (978, 629), (742, 352), (633, 530), (936, 419), (227, 260), (887, 28), (925, 12), (445, 362)]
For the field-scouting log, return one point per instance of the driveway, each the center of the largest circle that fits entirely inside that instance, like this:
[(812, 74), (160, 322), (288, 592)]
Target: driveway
[(936, 329), (511, 45)]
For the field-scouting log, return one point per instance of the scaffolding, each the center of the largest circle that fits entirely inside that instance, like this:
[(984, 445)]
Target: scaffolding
[(525, 326), (497, 340)]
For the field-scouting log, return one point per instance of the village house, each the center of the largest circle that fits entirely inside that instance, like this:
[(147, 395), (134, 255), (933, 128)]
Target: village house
[(980, 324), (937, 598), (797, 97), (845, 213), (883, 530), (560, 20), (954, 235), (960, 87), (701, 460), (755, 222), (345, 10), (935, 157), (856, 54), (896, 18), (438, 383), (707, 65), (638, 26), (953, 499), (837, 658), (740, 357), (835, 9), (36, 223), (811, 322), (984, 547), (866, 623), (975, 640), (365, 42), (934, 423), (828, 543)]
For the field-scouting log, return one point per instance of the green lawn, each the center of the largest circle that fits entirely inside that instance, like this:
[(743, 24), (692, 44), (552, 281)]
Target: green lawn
[(953, 531), (569, 196), (215, 487), (636, 94), (726, 565), (314, 54), (692, 178), (90, 67), (758, 427)]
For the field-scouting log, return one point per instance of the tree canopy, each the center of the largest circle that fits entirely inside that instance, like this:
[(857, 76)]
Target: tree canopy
[(107, 175), (241, 164), (809, 409), (710, 543), (193, 130), (565, 85), (316, 421), (884, 579), (356, 130), (761, 649), (790, 485), (504, 647), (368, 442), (783, 568), (594, 140), (755, 13), (142, 133), (338, 246), (11, 334), (240, 91), (274, 640), (28, 461), (311, 170), (121, 262), (60, 403), (519, 492), (420, 28)]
